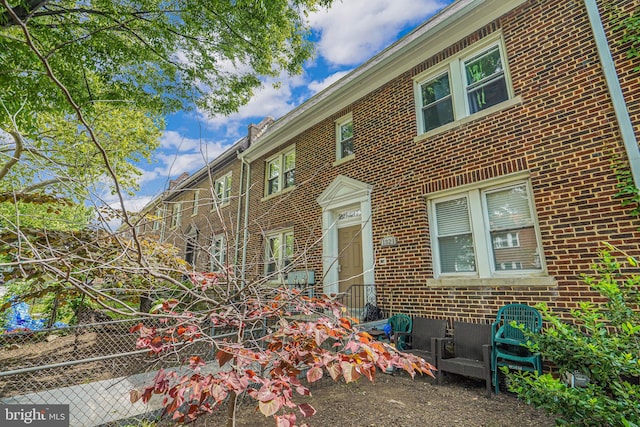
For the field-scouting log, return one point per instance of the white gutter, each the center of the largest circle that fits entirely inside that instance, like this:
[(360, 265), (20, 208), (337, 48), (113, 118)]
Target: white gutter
[(613, 83)]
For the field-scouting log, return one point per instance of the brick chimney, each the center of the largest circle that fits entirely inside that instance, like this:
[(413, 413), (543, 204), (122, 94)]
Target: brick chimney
[(174, 182)]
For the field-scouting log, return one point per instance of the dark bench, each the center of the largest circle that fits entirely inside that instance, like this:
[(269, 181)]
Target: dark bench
[(421, 340), (471, 355)]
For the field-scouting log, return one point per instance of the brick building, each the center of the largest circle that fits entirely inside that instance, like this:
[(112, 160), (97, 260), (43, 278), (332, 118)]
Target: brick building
[(464, 167)]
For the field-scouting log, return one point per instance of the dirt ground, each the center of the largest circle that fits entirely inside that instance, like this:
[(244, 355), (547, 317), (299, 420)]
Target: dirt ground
[(398, 401)]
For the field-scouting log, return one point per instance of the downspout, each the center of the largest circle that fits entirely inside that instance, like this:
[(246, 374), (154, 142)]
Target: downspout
[(613, 83), (237, 237), (245, 238)]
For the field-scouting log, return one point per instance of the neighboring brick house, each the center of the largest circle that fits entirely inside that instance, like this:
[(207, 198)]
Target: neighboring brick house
[(198, 214), (464, 167)]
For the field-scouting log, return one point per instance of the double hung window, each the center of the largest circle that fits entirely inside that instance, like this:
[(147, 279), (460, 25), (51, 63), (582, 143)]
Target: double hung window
[(196, 197), (176, 215), (344, 138), (486, 232), (222, 188), (463, 86), (278, 254), (281, 172)]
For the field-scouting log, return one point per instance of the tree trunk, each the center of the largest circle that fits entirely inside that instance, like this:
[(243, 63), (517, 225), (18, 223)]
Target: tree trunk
[(231, 409)]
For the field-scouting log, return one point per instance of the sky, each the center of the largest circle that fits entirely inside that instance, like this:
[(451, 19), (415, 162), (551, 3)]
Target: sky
[(346, 35)]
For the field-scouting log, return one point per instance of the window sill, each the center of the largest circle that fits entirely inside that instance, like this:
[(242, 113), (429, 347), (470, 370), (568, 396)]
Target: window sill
[(480, 114), (279, 193), (494, 282), (344, 160)]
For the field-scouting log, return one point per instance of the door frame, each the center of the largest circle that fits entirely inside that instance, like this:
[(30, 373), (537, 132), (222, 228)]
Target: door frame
[(342, 193)]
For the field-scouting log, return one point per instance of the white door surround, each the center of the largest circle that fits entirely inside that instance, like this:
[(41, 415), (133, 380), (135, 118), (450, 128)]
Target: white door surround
[(342, 194)]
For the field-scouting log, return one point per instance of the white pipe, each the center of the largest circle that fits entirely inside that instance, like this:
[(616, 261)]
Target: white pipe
[(613, 83), (238, 213), (245, 238)]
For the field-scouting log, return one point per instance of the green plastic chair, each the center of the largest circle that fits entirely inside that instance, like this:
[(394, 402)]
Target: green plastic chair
[(401, 325), (508, 342)]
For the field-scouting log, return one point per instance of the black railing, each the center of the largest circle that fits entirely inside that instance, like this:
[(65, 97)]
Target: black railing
[(360, 301)]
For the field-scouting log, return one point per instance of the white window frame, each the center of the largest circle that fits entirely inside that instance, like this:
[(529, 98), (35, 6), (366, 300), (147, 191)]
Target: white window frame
[(222, 198), (281, 263), (176, 215), (218, 253), (483, 245), (196, 201), (280, 160), (339, 140), (455, 67)]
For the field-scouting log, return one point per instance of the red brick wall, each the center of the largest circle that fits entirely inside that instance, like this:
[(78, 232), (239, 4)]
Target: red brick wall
[(564, 133)]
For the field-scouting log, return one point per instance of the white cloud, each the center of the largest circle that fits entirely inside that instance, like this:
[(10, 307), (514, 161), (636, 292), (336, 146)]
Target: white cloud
[(266, 101), (353, 31), (316, 86)]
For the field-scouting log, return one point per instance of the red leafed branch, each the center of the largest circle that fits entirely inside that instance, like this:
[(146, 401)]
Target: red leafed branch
[(278, 342)]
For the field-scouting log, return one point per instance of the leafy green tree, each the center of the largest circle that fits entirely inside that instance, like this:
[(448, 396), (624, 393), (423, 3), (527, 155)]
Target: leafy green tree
[(85, 86), (601, 341)]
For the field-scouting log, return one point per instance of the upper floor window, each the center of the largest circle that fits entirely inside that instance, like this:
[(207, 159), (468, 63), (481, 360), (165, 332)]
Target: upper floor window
[(344, 137), (176, 215), (281, 172), (196, 197), (486, 232), (465, 85), (278, 254), (222, 187)]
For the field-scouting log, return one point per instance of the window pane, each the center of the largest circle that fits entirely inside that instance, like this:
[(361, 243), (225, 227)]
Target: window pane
[(273, 169), (219, 190), (435, 89), (290, 161), (456, 254), (455, 241), (346, 148), (273, 186), (483, 67), (346, 131), (513, 235), (509, 208), (438, 114), (288, 251), (486, 85), (492, 93), (453, 217), (290, 178)]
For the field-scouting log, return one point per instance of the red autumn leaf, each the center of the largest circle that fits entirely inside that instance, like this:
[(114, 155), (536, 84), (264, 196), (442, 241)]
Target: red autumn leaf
[(349, 372), (334, 371), (265, 395), (223, 357), (306, 409), (286, 420), (314, 374), (136, 328), (270, 407)]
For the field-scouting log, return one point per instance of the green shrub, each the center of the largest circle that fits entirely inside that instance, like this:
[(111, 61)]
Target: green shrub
[(602, 340)]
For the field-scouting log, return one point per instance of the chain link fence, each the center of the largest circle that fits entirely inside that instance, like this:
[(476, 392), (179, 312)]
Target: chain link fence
[(91, 367)]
